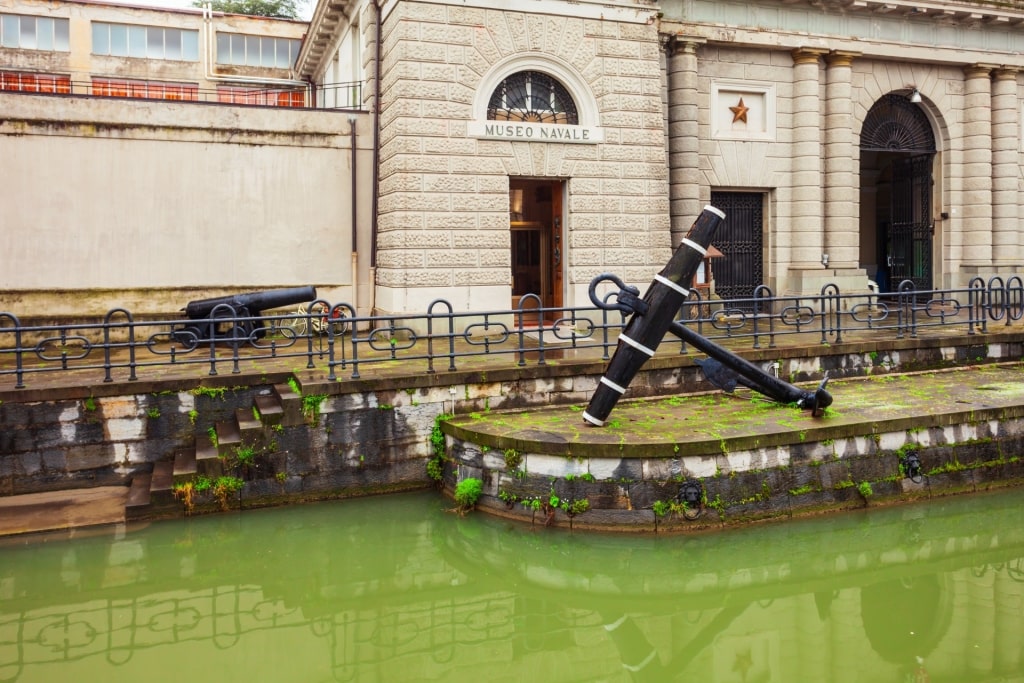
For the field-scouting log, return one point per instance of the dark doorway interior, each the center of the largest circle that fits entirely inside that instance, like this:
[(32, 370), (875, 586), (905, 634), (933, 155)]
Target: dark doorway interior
[(740, 238), (535, 219)]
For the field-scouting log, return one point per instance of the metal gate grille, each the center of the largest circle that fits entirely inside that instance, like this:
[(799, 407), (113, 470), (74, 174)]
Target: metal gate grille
[(741, 242), (909, 248)]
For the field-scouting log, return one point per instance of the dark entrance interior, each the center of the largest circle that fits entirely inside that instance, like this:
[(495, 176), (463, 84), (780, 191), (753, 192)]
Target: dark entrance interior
[(740, 238), (897, 154), (535, 219)]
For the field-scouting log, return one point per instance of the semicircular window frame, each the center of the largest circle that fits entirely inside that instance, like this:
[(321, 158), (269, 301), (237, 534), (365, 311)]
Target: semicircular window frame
[(532, 97), (894, 124)]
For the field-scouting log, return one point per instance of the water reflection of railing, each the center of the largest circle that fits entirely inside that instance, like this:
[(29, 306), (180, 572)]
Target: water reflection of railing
[(122, 347), (439, 595), (360, 635)]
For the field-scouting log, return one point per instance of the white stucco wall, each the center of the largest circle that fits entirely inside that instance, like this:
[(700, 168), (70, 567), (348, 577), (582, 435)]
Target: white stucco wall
[(148, 204)]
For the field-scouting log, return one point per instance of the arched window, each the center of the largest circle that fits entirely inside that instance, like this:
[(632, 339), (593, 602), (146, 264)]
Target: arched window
[(532, 96), (894, 124)]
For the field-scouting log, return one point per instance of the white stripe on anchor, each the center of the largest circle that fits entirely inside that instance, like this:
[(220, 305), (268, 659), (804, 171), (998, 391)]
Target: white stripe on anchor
[(696, 247), (672, 285), (636, 345), (592, 420), (613, 385)]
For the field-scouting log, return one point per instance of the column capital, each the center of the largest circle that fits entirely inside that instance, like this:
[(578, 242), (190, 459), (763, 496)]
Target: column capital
[(841, 57), (1006, 73), (675, 45), (979, 70), (808, 55)]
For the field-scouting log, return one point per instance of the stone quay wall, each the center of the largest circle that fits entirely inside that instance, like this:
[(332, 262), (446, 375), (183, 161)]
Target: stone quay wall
[(348, 438)]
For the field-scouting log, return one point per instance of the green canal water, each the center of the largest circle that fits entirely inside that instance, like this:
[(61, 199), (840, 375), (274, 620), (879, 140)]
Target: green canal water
[(398, 589)]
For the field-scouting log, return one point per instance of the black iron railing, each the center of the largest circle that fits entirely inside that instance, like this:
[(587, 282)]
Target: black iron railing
[(333, 338)]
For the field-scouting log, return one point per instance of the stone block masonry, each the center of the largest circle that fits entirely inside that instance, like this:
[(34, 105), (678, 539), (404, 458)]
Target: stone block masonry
[(349, 438)]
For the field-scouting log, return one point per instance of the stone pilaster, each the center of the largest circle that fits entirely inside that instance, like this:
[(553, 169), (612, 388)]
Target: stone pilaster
[(977, 170), (807, 231), (684, 162), (841, 228), (1005, 170)]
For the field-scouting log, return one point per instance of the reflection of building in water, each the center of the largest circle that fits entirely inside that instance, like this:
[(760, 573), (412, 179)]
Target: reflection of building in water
[(355, 600)]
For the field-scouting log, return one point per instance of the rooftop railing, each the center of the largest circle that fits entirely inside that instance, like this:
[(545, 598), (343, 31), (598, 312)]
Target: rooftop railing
[(332, 338), (340, 96)]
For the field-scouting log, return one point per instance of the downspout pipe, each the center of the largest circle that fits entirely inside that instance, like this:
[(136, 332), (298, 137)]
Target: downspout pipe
[(355, 211), (376, 134), (375, 200)]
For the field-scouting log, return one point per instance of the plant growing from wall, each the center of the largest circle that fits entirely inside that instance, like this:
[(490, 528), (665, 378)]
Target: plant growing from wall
[(224, 487), (467, 493), (435, 464), (513, 459), (311, 406), (186, 493)]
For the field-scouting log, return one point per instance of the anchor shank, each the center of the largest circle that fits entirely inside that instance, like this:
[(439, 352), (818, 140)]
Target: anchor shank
[(754, 377)]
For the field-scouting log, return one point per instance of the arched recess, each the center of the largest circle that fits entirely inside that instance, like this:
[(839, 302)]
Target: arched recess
[(897, 153), (566, 76)]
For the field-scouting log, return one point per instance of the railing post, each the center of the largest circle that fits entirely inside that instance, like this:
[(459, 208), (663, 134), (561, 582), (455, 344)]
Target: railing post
[(430, 334), (830, 296)]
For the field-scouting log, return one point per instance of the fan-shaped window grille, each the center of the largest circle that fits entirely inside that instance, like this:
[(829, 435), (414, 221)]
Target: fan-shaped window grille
[(895, 124), (532, 96)]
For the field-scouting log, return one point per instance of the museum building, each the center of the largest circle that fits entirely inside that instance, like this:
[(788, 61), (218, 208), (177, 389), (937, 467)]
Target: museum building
[(498, 149)]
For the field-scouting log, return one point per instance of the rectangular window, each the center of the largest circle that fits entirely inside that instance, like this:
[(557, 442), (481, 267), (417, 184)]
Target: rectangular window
[(243, 50), (267, 98), (151, 42), (29, 82), (137, 41), (33, 33), (152, 90)]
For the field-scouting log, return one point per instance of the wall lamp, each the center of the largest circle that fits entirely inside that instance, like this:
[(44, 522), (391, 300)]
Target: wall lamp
[(915, 96)]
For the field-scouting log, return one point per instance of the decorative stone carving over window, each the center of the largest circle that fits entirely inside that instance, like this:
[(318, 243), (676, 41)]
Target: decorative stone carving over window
[(534, 97)]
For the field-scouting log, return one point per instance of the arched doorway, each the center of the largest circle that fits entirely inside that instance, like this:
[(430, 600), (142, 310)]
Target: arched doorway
[(897, 149)]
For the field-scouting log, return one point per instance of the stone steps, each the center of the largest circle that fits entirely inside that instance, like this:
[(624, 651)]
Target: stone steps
[(152, 493)]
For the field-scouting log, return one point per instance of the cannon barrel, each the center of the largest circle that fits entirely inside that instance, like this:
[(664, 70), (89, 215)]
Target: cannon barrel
[(653, 316), (252, 303)]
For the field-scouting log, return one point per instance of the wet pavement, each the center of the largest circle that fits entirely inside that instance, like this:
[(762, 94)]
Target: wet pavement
[(61, 510)]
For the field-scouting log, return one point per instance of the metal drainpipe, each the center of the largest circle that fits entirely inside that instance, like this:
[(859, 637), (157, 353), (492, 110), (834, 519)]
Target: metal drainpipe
[(355, 212), (376, 157)]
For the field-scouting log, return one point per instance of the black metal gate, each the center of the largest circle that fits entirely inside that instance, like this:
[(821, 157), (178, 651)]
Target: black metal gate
[(908, 238), (740, 239)]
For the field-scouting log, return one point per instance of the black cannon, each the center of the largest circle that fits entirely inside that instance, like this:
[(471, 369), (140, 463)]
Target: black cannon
[(235, 318)]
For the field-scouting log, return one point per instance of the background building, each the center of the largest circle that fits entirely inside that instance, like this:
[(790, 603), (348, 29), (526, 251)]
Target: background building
[(523, 147)]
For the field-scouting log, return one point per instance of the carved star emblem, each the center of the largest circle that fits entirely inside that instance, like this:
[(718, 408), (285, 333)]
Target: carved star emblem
[(739, 112)]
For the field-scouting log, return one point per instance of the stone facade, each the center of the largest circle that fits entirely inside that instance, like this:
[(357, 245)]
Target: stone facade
[(444, 190)]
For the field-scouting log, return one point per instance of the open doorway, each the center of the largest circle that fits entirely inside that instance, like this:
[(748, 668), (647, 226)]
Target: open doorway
[(897, 155), (535, 220)]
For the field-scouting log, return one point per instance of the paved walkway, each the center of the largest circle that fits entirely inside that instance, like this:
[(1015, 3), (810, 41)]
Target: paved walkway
[(58, 510)]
